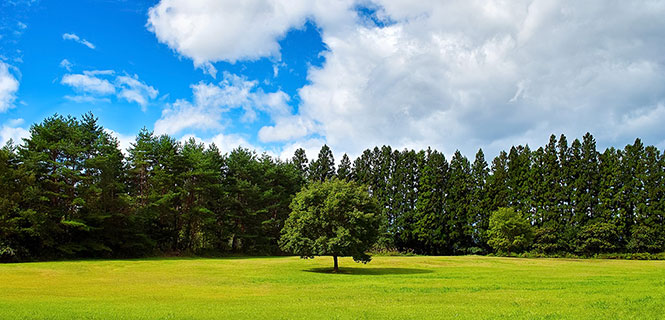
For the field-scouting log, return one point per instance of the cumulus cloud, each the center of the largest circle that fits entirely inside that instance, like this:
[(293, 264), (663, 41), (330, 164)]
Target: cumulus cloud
[(487, 74), (133, 90), (312, 146), (88, 83), (210, 101), (12, 130), (447, 74), (8, 87), (97, 85), (210, 30), (75, 38)]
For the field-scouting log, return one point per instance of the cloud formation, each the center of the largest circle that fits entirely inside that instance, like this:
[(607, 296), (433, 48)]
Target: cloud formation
[(210, 101), (75, 38), (8, 87), (452, 75), (12, 130), (98, 85), (209, 31)]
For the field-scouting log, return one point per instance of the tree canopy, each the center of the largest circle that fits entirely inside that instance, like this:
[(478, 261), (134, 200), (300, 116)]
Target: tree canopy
[(333, 217), (68, 191)]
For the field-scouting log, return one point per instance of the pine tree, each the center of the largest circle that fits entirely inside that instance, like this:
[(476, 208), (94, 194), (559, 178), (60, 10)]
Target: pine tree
[(14, 237), (480, 204), (458, 203), (633, 195), (430, 224), (300, 162), (498, 182), (323, 168), (344, 169)]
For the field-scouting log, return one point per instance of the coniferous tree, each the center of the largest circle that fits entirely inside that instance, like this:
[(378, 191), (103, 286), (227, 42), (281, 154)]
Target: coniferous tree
[(480, 209), (344, 169), (498, 182), (300, 162), (458, 205), (13, 235), (323, 168), (406, 180), (431, 226), (647, 232), (633, 195)]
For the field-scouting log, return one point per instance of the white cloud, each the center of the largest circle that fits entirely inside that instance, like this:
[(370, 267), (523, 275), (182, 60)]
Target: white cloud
[(311, 146), (66, 65), (88, 83), (447, 74), (209, 31), (74, 37), (211, 101), (97, 85), (286, 129), (133, 90), (12, 130), (8, 87), (188, 27), (487, 74), (87, 99), (226, 142)]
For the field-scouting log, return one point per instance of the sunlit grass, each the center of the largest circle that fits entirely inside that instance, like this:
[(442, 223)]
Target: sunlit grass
[(287, 287)]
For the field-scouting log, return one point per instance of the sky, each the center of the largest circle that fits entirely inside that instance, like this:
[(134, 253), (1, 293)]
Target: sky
[(278, 75)]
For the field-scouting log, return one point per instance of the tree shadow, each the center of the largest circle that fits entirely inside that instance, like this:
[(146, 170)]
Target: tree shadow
[(369, 271)]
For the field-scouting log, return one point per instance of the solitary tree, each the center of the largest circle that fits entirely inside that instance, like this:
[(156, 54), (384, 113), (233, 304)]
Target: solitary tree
[(509, 231), (333, 217)]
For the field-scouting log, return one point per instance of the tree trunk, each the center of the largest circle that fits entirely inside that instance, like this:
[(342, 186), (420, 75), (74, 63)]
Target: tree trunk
[(335, 268)]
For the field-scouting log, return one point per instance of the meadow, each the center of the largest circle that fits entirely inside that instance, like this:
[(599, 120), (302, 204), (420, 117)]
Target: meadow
[(418, 287)]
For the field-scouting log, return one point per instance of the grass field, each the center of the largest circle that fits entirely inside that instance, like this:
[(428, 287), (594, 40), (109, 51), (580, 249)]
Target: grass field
[(287, 288)]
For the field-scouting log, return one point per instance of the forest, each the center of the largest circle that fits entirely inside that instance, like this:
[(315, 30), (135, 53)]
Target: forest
[(68, 191)]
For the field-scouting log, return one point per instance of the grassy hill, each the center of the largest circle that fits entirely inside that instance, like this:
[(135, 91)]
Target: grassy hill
[(288, 287)]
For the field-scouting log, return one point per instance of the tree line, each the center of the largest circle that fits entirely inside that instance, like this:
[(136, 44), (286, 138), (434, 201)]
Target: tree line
[(68, 191)]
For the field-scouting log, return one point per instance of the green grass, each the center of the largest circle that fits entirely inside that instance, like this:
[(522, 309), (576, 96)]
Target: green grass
[(288, 288)]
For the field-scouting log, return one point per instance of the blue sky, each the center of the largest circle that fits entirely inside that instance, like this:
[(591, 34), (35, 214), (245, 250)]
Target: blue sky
[(277, 75)]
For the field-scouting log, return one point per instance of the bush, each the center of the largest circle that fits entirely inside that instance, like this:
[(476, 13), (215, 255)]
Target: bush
[(7, 254), (599, 237)]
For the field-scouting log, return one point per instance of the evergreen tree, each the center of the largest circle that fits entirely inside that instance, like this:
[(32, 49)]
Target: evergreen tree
[(498, 182), (409, 166), (300, 162), (431, 226), (13, 236), (458, 205), (519, 166), (647, 234), (633, 195), (480, 208), (323, 168), (344, 169)]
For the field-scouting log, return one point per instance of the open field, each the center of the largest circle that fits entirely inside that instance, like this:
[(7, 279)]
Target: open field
[(287, 287)]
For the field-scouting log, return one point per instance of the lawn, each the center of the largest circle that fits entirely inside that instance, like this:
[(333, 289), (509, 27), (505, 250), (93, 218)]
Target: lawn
[(288, 288)]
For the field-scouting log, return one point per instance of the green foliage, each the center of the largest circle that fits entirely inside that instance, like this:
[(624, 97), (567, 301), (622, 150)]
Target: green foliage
[(334, 218), (509, 232), (323, 168), (67, 191), (431, 224), (599, 237)]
